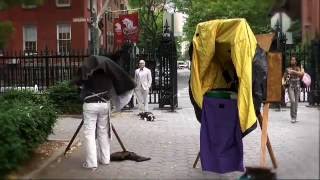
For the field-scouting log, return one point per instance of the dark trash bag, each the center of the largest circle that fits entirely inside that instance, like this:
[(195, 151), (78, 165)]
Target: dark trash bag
[(127, 155)]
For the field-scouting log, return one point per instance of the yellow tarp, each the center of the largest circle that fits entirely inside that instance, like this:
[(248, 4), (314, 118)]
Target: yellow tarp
[(216, 45)]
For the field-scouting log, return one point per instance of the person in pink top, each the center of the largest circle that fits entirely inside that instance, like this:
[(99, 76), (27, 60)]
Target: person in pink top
[(293, 75)]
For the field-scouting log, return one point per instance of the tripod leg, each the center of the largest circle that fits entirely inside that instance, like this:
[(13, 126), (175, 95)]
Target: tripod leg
[(196, 161), (73, 137), (118, 138), (273, 158)]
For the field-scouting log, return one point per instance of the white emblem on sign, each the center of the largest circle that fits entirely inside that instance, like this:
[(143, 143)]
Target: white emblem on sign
[(130, 28)]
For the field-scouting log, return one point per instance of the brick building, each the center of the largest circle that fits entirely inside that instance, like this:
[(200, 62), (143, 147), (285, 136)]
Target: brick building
[(58, 25), (308, 11), (310, 19)]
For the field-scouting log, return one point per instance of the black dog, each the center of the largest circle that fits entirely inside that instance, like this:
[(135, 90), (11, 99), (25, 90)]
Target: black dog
[(147, 116)]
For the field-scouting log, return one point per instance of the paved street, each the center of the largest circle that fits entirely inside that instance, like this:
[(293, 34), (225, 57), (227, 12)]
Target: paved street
[(172, 141)]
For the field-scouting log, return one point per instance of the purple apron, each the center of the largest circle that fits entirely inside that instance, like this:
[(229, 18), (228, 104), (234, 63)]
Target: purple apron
[(221, 148)]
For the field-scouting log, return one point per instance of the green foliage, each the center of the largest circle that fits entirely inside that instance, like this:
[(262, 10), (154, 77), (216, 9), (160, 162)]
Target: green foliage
[(296, 31), (26, 120), (25, 96), (254, 11), (178, 46), (65, 97), (150, 18)]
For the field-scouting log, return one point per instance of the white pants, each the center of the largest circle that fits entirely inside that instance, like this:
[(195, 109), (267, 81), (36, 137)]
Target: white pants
[(96, 128), (142, 97)]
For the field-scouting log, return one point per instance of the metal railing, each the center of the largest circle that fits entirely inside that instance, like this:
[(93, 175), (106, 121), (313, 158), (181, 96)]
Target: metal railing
[(41, 70)]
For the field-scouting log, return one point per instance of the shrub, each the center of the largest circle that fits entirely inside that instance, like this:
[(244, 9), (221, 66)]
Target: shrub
[(26, 120), (26, 96), (65, 98)]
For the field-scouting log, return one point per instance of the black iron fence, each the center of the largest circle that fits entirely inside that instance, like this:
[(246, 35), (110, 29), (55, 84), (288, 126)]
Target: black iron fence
[(45, 68), (314, 95), (163, 65), (37, 71), (41, 70)]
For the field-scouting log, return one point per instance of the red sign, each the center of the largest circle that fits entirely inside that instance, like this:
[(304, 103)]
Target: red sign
[(126, 28)]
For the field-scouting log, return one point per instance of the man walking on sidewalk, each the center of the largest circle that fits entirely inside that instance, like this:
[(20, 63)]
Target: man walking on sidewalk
[(143, 80)]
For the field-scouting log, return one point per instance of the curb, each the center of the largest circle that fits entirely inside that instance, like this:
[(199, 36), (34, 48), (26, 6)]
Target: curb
[(59, 152), (53, 158), (70, 116)]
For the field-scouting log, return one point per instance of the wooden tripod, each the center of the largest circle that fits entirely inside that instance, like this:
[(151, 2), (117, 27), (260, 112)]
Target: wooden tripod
[(78, 129)]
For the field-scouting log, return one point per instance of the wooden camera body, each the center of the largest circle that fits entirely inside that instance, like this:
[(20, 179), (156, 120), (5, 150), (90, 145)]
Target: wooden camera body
[(274, 78)]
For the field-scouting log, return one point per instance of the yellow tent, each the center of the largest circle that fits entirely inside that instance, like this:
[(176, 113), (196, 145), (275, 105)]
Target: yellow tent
[(223, 45)]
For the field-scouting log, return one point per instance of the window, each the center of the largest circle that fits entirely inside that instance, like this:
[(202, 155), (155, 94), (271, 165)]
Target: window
[(63, 3), (30, 38), (122, 7), (64, 38)]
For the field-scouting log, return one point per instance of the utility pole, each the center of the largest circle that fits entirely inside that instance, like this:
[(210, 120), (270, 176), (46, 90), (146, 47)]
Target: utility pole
[(94, 42)]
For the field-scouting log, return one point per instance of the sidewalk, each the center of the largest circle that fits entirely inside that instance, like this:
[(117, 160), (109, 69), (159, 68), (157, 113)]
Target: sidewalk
[(172, 141)]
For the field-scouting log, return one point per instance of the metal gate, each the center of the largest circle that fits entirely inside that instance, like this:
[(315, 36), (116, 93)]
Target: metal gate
[(152, 63), (168, 73), (163, 65)]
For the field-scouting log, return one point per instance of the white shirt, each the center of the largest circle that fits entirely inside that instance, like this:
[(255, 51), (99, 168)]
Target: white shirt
[(143, 78)]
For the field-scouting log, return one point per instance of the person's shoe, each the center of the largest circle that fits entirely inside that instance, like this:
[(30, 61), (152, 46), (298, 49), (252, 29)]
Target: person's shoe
[(85, 165), (104, 163), (293, 120)]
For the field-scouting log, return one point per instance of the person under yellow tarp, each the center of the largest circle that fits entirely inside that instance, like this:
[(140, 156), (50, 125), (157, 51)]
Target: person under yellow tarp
[(224, 45)]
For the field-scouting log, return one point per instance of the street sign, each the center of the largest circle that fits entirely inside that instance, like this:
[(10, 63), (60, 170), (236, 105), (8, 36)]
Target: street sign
[(80, 19), (281, 19), (175, 20)]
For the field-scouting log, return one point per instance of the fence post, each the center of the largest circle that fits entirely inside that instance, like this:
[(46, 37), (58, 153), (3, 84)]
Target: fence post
[(46, 55)]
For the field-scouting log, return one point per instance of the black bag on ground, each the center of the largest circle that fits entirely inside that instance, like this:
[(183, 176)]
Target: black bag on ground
[(127, 155)]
